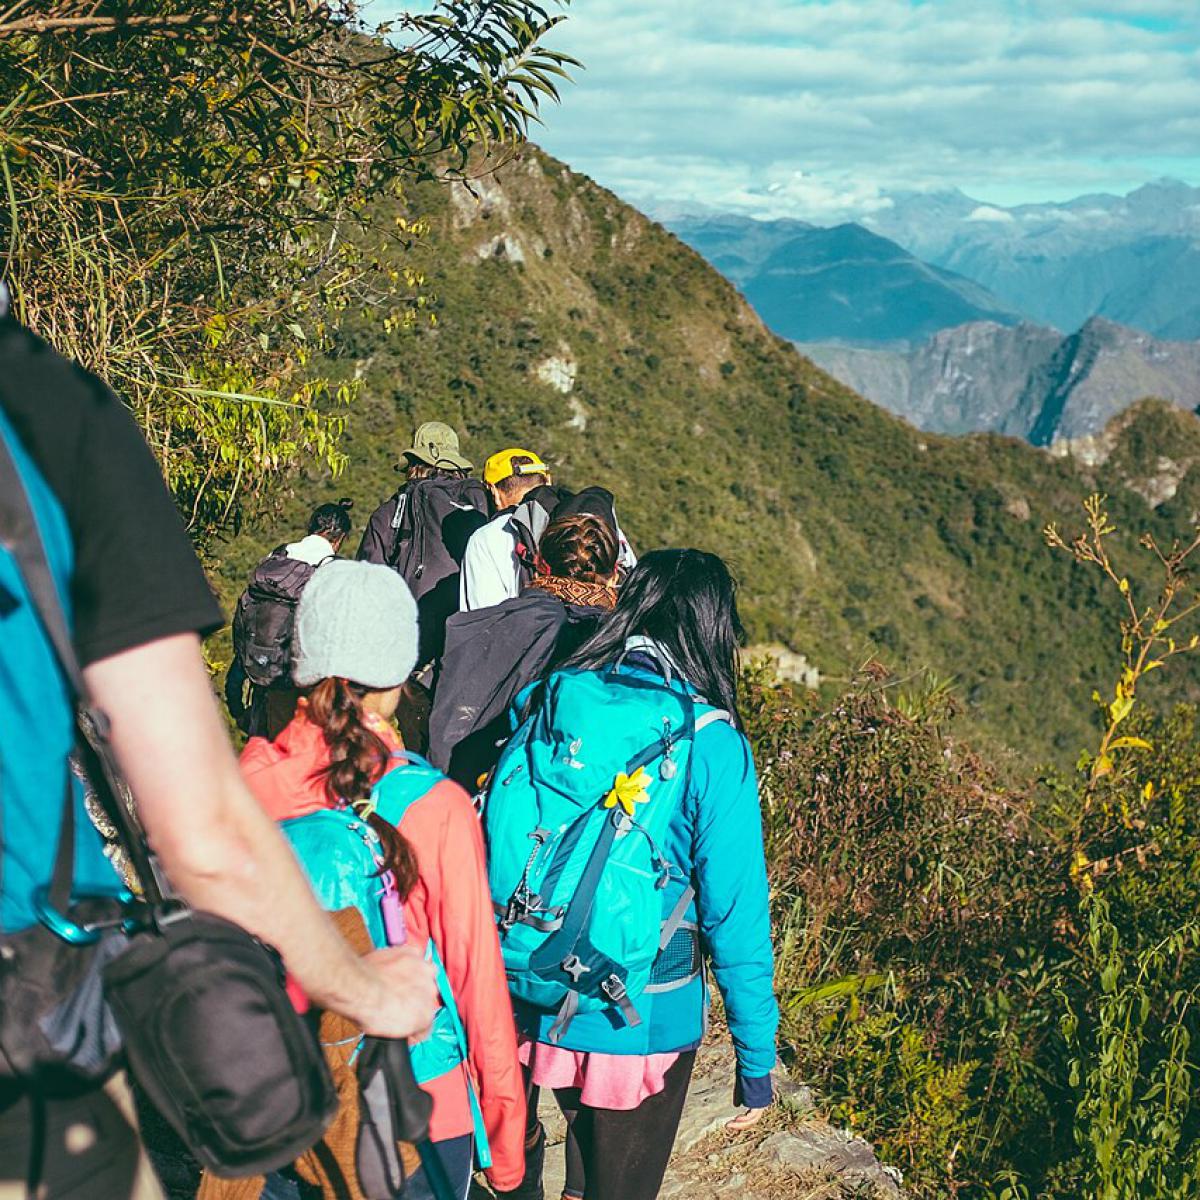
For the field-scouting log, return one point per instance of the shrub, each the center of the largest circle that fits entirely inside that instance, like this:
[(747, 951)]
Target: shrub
[(998, 983), (910, 884)]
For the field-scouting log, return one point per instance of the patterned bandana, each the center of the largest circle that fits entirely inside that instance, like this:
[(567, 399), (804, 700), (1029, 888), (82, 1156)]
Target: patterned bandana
[(575, 591)]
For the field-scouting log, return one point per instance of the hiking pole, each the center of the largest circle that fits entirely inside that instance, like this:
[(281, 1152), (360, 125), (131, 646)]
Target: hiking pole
[(393, 1108)]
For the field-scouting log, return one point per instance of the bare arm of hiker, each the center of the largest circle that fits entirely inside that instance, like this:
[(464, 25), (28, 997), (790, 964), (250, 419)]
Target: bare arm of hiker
[(222, 851)]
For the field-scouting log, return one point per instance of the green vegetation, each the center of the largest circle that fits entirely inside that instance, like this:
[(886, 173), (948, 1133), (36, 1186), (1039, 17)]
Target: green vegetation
[(998, 983), (203, 177), (851, 532), (991, 976)]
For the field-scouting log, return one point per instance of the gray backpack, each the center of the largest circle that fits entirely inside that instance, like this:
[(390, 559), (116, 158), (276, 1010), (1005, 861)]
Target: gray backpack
[(265, 617)]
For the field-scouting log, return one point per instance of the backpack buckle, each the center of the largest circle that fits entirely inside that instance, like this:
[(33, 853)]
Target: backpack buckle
[(514, 912), (614, 988), (574, 966)]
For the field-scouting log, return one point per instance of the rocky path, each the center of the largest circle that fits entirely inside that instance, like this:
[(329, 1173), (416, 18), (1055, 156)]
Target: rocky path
[(792, 1153)]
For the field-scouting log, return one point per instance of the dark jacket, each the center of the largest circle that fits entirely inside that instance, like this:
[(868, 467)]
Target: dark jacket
[(490, 655), (421, 532)]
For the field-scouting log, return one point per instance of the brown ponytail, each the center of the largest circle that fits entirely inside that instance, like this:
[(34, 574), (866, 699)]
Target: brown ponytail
[(357, 760), (579, 547)]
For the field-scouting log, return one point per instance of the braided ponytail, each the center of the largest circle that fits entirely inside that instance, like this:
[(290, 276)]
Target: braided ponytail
[(357, 760), (581, 547)]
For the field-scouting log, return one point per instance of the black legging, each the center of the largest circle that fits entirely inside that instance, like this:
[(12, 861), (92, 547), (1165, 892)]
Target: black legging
[(614, 1154)]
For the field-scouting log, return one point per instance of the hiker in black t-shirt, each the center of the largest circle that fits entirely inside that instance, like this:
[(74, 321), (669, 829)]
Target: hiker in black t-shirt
[(140, 603), (258, 688)]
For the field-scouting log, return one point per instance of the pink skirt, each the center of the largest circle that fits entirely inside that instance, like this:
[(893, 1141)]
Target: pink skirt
[(614, 1081)]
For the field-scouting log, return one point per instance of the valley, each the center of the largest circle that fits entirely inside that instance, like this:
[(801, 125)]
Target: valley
[(1026, 380)]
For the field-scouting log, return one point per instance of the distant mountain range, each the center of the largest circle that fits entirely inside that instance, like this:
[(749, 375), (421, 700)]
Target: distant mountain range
[(1134, 259), (1024, 380), (958, 315), (940, 259), (840, 284)]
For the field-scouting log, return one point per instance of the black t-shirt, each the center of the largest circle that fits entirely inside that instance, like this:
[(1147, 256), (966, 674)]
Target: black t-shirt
[(136, 578)]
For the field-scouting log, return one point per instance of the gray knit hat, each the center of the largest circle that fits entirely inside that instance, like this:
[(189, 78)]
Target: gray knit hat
[(356, 621)]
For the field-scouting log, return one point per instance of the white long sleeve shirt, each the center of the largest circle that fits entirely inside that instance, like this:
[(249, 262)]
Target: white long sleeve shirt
[(491, 571)]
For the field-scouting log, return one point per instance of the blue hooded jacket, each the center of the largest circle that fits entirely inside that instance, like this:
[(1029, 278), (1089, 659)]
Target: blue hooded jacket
[(716, 840)]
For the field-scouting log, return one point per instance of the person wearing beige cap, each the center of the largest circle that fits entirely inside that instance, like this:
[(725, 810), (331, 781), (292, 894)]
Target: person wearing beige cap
[(434, 454), (434, 448), (421, 532)]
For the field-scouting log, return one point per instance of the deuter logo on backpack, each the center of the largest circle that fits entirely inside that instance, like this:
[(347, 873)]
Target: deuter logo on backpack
[(265, 616), (590, 907)]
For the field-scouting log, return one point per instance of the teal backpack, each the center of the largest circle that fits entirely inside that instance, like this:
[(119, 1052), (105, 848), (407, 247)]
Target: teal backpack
[(590, 911), (37, 717), (342, 855)]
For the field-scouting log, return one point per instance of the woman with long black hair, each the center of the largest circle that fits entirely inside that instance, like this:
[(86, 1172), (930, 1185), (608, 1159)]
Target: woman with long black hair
[(620, 1071)]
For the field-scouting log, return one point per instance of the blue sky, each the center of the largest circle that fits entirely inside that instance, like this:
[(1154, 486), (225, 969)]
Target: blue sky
[(816, 108)]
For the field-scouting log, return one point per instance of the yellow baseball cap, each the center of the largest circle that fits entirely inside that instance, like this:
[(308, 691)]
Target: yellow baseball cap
[(500, 466)]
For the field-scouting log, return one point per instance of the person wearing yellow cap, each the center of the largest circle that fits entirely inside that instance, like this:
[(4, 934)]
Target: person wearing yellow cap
[(491, 568)]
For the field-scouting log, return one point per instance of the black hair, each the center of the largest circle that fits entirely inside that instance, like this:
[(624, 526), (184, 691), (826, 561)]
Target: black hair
[(331, 521), (421, 470), (686, 601)]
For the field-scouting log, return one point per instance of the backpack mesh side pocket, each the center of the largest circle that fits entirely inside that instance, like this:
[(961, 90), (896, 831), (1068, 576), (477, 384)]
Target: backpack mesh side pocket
[(678, 963)]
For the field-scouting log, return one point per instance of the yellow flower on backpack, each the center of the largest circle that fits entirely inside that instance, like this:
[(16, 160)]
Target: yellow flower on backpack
[(629, 791)]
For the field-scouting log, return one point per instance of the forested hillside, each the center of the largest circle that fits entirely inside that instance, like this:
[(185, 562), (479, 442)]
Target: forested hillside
[(568, 321)]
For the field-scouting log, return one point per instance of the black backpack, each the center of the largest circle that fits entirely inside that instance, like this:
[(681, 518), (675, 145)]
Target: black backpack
[(432, 523), (265, 614)]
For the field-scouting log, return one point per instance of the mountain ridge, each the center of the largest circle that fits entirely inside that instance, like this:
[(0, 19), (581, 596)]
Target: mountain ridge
[(569, 321), (1134, 259), (1026, 381), (844, 282)]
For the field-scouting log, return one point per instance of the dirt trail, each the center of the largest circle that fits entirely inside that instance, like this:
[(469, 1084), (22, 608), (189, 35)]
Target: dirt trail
[(792, 1153)]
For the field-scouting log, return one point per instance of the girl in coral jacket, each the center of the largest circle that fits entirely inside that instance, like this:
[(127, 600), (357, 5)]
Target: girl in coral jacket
[(355, 643)]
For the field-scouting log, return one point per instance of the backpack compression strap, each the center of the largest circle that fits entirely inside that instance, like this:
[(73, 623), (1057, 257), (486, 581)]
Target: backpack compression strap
[(397, 523)]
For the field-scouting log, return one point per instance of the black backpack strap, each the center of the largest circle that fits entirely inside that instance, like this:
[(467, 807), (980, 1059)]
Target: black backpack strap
[(21, 536), (394, 1108)]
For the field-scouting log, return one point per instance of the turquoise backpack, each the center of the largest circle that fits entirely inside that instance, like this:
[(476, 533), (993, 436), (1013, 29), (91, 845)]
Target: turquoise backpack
[(37, 717), (576, 818), (341, 855)]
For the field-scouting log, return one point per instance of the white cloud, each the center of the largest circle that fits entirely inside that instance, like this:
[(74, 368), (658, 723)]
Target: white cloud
[(807, 107), (985, 212)]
